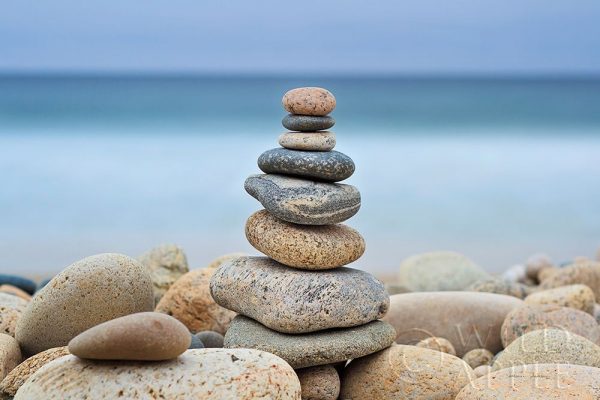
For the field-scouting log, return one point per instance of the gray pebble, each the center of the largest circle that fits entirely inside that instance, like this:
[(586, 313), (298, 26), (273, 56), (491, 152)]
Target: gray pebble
[(210, 339), (307, 123), (330, 166)]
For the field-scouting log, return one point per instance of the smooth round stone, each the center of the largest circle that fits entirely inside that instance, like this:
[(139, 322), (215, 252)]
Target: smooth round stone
[(536, 382), (580, 297), (309, 101), (437, 344), (17, 377), (499, 286), (319, 383), (310, 349), (546, 273), (586, 273), (482, 370), (15, 291), (439, 271), (189, 300), (330, 166), (289, 300), (11, 309), (166, 264), (90, 291), (197, 374), (405, 372), (478, 357), (10, 354), (210, 339), (516, 273), (22, 283), (308, 141), (302, 201), (145, 336), (545, 346), (307, 123), (528, 318), (535, 264), (313, 247), (196, 343), (217, 262)]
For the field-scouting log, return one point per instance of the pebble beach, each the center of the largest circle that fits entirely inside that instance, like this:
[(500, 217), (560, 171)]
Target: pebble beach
[(297, 319)]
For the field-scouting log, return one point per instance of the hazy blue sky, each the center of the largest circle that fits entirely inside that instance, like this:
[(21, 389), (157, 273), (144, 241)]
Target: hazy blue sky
[(306, 36)]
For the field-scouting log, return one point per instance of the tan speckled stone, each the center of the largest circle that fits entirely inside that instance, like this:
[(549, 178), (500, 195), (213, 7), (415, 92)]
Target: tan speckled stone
[(290, 300), (15, 291), (189, 300), (546, 272), (166, 264), (478, 357), (536, 382), (536, 263), (11, 309), (148, 336), (304, 246), (482, 370), (308, 141), (319, 383), (198, 374), (309, 101), (438, 344), (217, 262), (546, 346), (93, 290), (499, 286), (10, 354), (580, 297), (405, 372), (586, 273), (23, 371), (531, 317)]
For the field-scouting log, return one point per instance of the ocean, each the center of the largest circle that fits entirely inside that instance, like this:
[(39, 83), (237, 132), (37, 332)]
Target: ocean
[(495, 168)]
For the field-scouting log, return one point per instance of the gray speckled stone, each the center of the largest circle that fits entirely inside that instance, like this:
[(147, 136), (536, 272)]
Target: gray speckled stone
[(307, 350), (308, 141), (307, 123), (302, 201), (294, 301), (330, 166)]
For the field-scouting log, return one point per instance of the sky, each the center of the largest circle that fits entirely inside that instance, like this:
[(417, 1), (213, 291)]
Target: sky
[(324, 36)]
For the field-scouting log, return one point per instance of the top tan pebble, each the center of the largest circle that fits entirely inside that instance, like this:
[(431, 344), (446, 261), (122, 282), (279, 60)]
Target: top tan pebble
[(309, 101)]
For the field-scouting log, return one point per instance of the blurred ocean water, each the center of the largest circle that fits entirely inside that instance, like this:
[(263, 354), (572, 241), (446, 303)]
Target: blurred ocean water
[(495, 168)]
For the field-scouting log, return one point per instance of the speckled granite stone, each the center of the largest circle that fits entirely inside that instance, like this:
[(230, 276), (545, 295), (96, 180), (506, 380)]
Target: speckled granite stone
[(10, 354), (308, 141), (304, 246), (294, 301), (438, 344), (321, 382), (331, 166), (586, 273), (11, 309), (499, 286), (199, 374), (309, 101), (317, 348), (307, 123), (580, 297), (166, 264), (302, 201), (478, 357)]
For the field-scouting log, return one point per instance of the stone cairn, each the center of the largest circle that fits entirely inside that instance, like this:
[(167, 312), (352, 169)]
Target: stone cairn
[(300, 302)]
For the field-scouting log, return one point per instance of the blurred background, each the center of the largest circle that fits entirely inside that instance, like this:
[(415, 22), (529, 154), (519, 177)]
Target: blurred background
[(475, 126)]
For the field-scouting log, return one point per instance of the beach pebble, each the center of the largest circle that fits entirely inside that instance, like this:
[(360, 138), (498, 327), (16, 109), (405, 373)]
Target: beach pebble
[(308, 141), (90, 291), (10, 354), (309, 101), (166, 264), (516, 273), (546, 346), (580, 297), (536, 382), (312, 247), (469, 320), (11, 309), (482, 370), (319, 383), (15, 291), (197, 374), (147, 336), (438, 344), (393, 288), (530, 317), (303, 201), (330, 166), (307, 350), (217, 262), (289, 300), (437, 271), (586, 273), (15, 379), (195, 342), (499, 286), (307, 123), (536, 263), (211, 339), (24, 284), (405, 372), (478, 357), (546, 273), (189, 300)]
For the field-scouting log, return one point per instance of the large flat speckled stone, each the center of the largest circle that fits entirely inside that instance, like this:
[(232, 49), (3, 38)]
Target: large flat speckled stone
[(317, 348), (302, 201), (295, 301), (197, 374), (331, 166)]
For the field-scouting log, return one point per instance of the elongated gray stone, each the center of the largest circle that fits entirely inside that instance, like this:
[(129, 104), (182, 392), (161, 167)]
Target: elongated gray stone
[(307, 350), (307, 123), (302, 201), (330, 166), (295, 301)]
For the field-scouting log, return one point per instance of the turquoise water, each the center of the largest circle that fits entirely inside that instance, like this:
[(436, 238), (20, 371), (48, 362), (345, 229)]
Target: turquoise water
[(497, 169)]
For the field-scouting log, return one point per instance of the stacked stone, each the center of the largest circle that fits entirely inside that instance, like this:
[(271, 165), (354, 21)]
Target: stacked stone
[(300, 302)]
